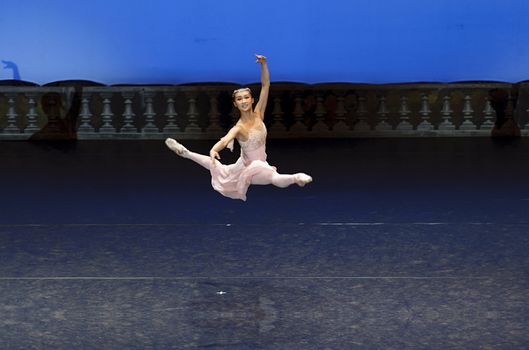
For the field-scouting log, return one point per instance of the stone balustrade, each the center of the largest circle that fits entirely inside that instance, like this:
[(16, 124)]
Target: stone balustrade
[(205, 111)]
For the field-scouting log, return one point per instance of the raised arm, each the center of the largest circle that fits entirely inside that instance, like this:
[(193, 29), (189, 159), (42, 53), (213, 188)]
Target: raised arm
[(222, 143), (265, 86)]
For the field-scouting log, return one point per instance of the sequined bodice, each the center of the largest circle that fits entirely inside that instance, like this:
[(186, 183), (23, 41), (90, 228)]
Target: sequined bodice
[(256, 138), (254, 147)]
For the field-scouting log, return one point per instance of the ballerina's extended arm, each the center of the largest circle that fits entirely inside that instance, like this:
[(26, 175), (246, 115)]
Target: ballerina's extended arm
[(222, 143), (265, 86)]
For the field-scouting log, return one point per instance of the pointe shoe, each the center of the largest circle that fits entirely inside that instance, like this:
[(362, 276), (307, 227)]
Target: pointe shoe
[(302, 179), (175, 146)]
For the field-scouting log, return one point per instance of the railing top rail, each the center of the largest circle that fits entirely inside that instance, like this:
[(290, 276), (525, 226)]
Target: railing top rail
[(279, 86), (36, 89)]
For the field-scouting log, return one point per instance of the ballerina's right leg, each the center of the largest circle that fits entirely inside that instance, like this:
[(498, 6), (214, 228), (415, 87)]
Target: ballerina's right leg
[(183, 152), (281, 180)]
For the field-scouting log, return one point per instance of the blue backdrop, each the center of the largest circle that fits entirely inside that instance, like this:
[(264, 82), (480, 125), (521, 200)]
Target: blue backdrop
[(165, 41)]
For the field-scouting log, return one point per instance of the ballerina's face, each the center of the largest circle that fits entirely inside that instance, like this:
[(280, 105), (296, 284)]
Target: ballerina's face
[(243, 100)]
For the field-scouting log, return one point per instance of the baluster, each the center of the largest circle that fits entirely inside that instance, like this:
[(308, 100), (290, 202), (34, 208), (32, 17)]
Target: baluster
[(382, 114), (488, 113), (350, 106), (361, 112), (320, 128), (107, 115), (128, 114), (214, 130), (32, 115), (526, 126), (404, 115), (86, 117), (192, 129), (12, 115), (509, 110), (298, 127), (149, 114), (446, 115), (425, 113), (468, 112), (340, 128), (170, 114), (277, 128), (234, 115)]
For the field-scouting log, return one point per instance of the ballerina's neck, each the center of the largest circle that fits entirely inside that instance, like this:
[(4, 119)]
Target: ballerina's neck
[(248, 116)]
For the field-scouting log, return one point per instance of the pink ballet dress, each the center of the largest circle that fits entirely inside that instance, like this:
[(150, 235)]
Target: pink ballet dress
[(233, 180)]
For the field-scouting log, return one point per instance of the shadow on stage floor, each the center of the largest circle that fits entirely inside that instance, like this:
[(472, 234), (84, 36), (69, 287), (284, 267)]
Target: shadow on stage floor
[(397, 244)]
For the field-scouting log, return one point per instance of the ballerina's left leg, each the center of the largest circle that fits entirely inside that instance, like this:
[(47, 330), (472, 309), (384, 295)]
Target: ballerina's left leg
[(183, 152)]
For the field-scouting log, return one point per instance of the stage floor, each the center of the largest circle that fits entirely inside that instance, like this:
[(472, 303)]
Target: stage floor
[(397, 244)]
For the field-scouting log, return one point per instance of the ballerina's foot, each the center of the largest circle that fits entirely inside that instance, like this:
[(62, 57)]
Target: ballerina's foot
[(175, 146), (303, 179)]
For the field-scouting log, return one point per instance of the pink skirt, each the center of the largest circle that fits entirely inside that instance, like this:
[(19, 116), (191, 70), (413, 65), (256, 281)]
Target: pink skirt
[(234, 179)]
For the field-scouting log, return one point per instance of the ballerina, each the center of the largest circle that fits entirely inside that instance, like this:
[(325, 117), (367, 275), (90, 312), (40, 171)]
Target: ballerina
[(251, 168)]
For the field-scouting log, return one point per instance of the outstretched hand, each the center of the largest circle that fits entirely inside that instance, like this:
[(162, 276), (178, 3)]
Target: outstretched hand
[(9, 64), (213, 155), (260, 58)]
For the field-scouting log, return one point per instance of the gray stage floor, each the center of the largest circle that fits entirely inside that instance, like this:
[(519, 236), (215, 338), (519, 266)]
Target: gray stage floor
[(398, 244)]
